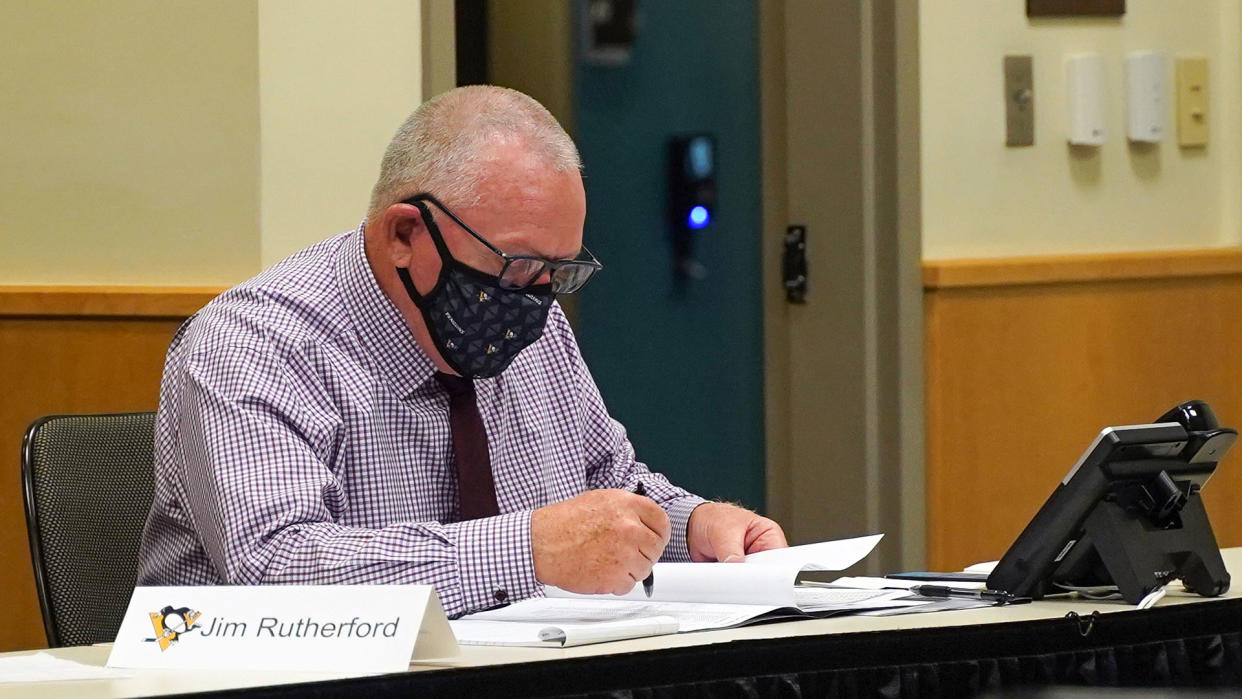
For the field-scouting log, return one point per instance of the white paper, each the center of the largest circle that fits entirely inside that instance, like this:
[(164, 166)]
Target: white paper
[(822, 599), (582, 634), (930, 605), (45, 667), (714, 583), (695, 596), (765, 578), (866, 583), (828, 555), (895, 583), (541, 624), (985, 567), (690, 616)]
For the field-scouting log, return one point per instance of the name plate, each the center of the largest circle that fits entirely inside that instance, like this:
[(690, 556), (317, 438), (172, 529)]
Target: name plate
[(332, 628)]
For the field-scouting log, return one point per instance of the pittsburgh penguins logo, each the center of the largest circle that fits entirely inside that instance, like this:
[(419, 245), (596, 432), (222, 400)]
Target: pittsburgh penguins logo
[(170, 624)]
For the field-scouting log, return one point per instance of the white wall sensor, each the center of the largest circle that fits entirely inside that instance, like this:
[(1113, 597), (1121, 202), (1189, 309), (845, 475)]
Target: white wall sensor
[(1084, 78), (1147, 88)]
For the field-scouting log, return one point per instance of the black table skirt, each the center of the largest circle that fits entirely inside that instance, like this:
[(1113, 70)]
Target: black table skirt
[(1192, 645)]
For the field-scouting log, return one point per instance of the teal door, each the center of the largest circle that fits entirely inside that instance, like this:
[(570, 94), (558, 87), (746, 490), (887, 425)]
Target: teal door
[(679, 364)]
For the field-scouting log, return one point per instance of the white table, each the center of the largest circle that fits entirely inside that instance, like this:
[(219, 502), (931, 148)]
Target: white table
[(156, 682)]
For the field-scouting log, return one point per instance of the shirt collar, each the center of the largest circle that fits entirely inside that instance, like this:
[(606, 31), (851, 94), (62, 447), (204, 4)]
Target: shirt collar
[(380, 326)]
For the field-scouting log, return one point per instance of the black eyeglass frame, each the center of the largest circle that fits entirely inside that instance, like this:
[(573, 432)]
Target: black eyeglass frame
[(548, 266)]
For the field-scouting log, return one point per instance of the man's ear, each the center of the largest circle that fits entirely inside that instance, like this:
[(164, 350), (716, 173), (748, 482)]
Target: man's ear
[(402, 224)]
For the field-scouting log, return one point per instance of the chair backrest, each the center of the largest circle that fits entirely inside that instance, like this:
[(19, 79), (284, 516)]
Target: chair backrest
[(88, 482)]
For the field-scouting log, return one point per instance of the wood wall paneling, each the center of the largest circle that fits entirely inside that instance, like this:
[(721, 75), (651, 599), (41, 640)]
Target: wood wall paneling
[(70, 350), (1022, 373)]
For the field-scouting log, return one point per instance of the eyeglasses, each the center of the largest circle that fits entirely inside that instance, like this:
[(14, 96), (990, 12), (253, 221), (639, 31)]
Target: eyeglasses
[(522, 271)]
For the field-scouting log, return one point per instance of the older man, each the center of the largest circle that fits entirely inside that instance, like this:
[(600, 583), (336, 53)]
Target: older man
[(406, 403)]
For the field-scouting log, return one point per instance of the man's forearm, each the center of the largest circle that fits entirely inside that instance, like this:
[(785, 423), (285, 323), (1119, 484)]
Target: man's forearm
[(473, 565)]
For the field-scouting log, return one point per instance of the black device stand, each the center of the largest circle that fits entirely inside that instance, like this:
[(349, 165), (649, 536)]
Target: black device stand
[(1128, 514), (1140, 542)]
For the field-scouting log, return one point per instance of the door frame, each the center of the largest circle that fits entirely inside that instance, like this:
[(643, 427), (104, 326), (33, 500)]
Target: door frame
[(844, 371), (438, 40)]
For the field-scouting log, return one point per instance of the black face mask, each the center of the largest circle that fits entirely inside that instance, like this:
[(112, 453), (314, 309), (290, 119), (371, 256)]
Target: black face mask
[(478, 326)]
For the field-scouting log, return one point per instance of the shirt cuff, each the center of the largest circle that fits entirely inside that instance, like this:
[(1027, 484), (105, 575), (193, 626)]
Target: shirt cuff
[(679, 510), (494, 560)]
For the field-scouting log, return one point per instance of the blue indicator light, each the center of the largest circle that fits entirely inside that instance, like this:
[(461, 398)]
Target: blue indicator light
[(699, 217)]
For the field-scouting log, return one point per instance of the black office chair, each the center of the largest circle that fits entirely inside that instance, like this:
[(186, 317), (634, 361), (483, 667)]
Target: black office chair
[(88, 482)]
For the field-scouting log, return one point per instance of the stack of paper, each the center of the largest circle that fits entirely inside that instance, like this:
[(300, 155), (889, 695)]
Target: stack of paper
[(686, 597)]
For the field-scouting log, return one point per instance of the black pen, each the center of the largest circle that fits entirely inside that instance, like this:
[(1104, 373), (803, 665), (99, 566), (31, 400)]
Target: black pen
[(649, 581), (997, 596)]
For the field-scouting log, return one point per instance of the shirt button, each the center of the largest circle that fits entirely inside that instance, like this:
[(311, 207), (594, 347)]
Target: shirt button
[(500, 595)]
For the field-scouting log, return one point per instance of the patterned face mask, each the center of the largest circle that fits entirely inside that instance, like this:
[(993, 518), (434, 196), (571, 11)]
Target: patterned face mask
[(478, 326)]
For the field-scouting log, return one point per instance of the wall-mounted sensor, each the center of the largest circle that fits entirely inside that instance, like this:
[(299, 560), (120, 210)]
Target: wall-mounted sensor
[(1084, 79), (1147, 88), (691, 197)]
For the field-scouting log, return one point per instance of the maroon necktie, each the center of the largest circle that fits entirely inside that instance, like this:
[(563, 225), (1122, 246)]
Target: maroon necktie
[(475, 491)]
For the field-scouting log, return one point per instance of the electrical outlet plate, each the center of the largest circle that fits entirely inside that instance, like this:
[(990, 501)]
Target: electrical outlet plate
[(1192, 102)]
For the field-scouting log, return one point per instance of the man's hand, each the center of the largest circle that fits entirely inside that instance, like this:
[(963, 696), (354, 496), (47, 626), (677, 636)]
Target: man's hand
[(599, 541), (718, 531)]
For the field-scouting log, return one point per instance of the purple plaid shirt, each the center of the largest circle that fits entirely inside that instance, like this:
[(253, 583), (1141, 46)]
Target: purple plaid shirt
[(301, 438)]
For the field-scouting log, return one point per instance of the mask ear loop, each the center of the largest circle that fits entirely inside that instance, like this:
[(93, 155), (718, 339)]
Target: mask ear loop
[(446, 257), (430, 222)]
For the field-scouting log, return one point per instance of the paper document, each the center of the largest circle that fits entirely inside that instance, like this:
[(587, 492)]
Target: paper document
[(985, 567), (897, 583), (45, 667), (914, 605), (765, 578), (559, 622), (828, 555), (686, 597), (939, 605)]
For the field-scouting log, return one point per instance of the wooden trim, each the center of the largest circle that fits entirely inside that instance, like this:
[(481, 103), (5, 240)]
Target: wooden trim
[(97, 301), (1056, 269)]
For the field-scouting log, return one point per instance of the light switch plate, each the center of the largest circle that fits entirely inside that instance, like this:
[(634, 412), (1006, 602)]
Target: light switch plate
[(1019, 101), (1192, 102)]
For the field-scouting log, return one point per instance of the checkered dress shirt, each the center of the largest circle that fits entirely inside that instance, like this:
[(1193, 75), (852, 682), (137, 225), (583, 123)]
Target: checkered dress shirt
[(301, 438)]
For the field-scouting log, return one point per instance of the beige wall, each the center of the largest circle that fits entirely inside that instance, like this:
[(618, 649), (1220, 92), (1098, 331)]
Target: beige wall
[(128, 142), (982, 199), (157, 142), (336, 79)]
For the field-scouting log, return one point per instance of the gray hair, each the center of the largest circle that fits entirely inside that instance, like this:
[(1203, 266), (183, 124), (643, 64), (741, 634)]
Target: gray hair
[(440, 146)]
